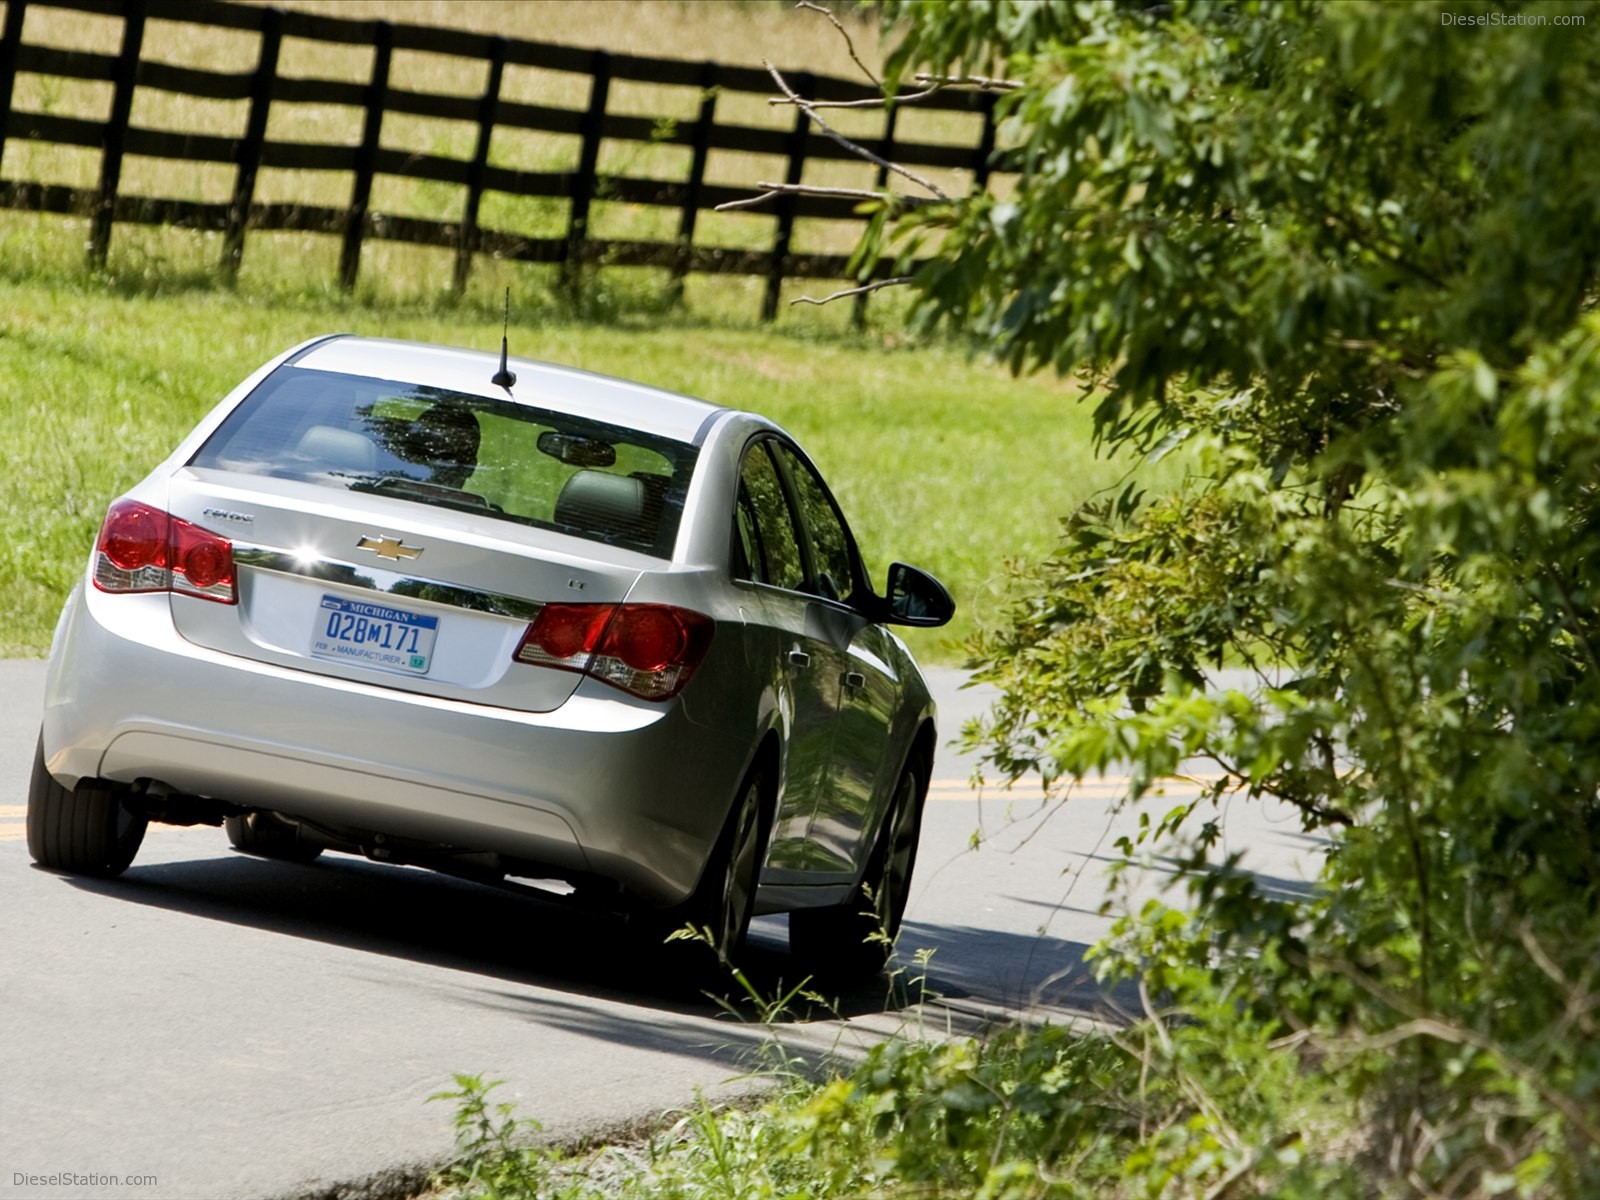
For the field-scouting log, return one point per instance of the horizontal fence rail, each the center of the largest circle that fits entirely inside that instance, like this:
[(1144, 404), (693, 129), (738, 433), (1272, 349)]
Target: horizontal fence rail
[(582, 183)]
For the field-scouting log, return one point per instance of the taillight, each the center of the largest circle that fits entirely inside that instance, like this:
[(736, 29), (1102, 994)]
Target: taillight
[(142, 549), (650, 650)]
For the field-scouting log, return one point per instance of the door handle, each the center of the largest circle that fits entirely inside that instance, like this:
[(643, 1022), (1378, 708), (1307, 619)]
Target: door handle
[(799, 658), (854, 679)]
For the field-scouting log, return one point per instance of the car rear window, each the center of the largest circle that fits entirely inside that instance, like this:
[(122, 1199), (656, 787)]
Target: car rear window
[(507, 461)]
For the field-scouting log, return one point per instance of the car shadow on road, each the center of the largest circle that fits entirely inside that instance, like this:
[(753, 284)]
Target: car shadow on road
[(550, 964), (1273, 887), (991, 977), (439, 921)]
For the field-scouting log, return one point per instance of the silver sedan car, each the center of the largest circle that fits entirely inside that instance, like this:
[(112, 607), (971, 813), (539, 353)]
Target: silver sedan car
[(506, 620)]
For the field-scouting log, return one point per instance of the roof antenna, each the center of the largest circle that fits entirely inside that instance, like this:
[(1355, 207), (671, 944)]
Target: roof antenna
[(505, 377)]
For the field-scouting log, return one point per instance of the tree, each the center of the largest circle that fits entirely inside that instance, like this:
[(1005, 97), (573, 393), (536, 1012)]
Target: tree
[(1344, 254)]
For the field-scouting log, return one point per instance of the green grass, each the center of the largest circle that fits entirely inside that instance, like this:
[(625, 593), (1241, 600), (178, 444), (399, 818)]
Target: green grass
[(938, 458)]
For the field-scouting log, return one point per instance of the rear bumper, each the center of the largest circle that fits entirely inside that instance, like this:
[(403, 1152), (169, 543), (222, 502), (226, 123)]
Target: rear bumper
[(604, 785)]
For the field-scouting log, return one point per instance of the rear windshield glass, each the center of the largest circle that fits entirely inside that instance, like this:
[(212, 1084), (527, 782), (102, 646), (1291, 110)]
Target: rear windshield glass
[(504, 460)]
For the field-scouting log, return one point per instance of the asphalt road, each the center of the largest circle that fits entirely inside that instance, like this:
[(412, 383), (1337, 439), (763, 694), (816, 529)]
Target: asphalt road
[(214, 1026)]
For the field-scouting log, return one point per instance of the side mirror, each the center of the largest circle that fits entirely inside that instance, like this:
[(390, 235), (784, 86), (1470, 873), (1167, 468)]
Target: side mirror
[(917, 598)]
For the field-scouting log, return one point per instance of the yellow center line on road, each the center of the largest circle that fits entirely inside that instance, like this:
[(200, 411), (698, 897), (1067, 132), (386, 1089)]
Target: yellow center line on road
[(13, 810)]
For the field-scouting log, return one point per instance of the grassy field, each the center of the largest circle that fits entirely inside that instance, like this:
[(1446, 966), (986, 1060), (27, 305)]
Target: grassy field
[(938, 458)]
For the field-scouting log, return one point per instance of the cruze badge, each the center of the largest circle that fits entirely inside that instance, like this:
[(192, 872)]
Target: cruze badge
[(388, 547)]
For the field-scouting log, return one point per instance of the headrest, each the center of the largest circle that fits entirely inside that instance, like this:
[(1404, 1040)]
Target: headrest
[(602, 503), (335, 449)]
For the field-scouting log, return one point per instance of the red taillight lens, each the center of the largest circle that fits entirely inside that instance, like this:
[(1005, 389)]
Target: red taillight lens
[(650, 650), (142, 549), (564, 632), (206, 565), (134, 536), (648, 638)]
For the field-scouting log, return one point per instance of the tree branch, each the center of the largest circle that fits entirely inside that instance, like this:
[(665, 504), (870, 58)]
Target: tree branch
[(1444, 1031), (875, 102), (774, 190), (981, 82), (897, 100), (1328, 814), (865, 289), (845, 34), (810, 109)]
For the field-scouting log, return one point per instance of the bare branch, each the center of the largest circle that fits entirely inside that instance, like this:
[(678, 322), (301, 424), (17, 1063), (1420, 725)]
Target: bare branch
[(981, 82), (884, 101), (1156, 1022), (873, 102), (748, 202), (934, 84), (1423, 1025), (807, 107), (844, 33), (774, 190), (864, 290)]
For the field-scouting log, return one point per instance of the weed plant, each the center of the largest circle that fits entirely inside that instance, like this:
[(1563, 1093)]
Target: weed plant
[(1198, 1095)]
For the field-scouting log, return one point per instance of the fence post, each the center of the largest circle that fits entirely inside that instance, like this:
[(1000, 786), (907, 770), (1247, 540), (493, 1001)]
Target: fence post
[(981, 168), (248, 159), (795, 147), (583, 183), (700, 143), (127, 77), (9, 41), (366, 158), (891, 117), (488, 111)]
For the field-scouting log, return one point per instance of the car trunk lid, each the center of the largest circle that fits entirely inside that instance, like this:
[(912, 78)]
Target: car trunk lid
[(387, 591)]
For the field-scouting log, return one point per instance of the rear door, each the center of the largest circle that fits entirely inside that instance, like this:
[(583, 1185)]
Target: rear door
[(857, 660), (789, 644)]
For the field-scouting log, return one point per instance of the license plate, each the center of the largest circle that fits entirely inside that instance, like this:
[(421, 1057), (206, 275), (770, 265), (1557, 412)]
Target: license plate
[(374, 635)]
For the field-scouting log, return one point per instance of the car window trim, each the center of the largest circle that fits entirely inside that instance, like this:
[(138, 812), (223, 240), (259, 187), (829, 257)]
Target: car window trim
[(788, 502), (682, 457), (736, 548), (808, 562), (858, 582)]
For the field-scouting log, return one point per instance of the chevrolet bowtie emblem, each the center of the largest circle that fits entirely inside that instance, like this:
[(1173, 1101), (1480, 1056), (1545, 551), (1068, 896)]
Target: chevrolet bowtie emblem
[(388, 547)]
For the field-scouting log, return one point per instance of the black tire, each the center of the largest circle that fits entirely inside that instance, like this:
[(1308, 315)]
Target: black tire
[(853, 941), (265, 836), (724, 903), (85, 830)]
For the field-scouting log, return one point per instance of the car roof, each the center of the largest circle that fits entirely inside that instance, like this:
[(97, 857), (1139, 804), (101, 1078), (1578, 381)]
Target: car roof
[(539, 385)]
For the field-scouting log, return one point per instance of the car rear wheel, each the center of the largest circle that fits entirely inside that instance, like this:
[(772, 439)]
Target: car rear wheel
[(86, 830), (265, 836), (722, 906), (853, 940)]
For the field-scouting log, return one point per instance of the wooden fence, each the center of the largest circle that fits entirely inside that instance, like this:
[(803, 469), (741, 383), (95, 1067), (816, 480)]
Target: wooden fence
[(581, 182)]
